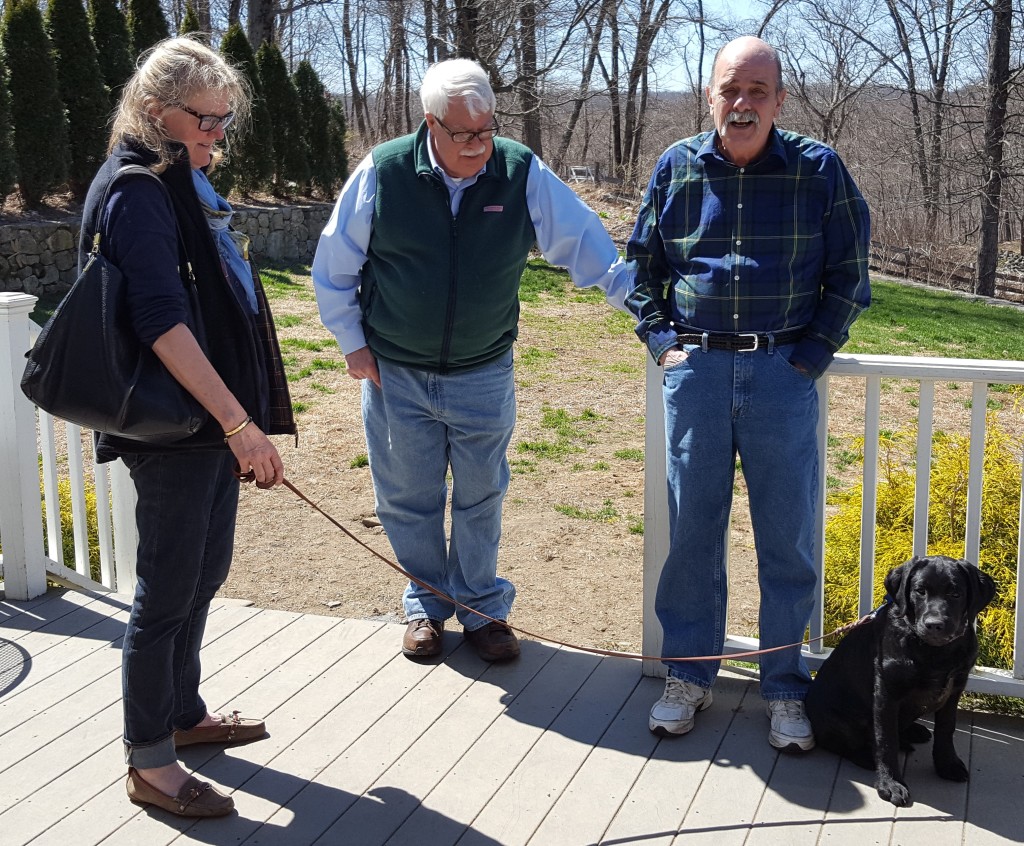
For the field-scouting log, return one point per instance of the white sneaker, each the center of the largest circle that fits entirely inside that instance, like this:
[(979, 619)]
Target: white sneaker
[(672, 715), (791, 730)]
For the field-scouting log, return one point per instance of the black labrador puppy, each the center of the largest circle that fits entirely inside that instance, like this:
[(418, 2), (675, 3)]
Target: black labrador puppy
[(912, 658)]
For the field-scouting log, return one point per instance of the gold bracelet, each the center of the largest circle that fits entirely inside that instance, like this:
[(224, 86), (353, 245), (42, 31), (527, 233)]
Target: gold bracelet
[(238, 428)]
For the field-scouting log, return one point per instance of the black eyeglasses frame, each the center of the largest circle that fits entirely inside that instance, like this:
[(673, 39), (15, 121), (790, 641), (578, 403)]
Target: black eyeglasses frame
[(465, 136), (211, 121)]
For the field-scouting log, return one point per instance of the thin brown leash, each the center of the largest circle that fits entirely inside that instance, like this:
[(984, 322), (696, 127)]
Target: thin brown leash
[(593, 650)]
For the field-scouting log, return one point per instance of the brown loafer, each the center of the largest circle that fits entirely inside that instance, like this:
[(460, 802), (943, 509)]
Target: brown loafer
[(422, 638), (493, 642), (195, 799), (233, 728)]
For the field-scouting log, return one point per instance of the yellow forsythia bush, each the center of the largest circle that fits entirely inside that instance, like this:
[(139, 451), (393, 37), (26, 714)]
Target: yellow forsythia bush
[(1000, 517), (67, 536)]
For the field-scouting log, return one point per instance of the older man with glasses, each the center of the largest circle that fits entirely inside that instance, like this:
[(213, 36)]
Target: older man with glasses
[(417, 275)]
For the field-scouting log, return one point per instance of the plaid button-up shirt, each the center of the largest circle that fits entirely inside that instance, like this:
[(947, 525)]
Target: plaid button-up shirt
[(779, 244)]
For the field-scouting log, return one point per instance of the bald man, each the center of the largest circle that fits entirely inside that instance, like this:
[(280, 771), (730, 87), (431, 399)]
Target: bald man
[(751, 254)]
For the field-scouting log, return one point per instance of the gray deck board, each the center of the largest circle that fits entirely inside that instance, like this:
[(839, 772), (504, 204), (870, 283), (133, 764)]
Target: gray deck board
[(369, 748)]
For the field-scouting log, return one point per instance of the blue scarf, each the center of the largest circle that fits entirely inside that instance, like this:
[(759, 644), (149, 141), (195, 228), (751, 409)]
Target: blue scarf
[(232, 246)]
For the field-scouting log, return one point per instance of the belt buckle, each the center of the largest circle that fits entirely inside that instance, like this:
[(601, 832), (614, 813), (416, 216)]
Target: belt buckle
[(749, 335)]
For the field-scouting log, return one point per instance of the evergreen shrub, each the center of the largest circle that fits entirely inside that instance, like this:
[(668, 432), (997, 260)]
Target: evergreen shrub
[(249, 166), (290, 162), (190, 25), (8, 163), (37, 112), (109, 31), (146, 24), (339, 132), (947, 513), (316, 120), (81, 88)]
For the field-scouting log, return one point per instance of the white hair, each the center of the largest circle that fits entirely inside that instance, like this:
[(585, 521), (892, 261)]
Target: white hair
[(456, 78)]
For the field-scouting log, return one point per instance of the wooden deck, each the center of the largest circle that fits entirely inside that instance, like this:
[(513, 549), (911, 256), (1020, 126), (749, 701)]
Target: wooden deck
[(367, 747)]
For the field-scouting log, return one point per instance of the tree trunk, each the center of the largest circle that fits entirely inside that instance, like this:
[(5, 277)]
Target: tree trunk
[(577, 106), (359, 110), (529, 98), (996, 91), (260, 25), (466, 18)]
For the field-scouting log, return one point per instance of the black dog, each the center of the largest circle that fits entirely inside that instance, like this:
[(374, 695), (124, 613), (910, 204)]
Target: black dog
[(911, 659)]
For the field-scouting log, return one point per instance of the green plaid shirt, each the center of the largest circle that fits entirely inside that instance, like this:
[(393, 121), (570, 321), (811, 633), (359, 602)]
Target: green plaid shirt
[(779, 244)]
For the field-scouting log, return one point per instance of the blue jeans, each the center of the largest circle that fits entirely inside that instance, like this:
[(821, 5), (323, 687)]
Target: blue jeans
[(186, 520), (418, 424), (720, 404)]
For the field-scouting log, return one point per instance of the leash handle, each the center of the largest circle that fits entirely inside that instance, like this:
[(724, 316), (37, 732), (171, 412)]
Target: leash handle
[(593, 650)]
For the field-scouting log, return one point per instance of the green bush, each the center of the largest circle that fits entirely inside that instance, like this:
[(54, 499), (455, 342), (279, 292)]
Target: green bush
[(1000, 518), (316, 118), (339, 131), (37, 113), (81, 88), (190, 25), (109, 31), (146, 24), (8, 163), (290, 162), (249, 166)]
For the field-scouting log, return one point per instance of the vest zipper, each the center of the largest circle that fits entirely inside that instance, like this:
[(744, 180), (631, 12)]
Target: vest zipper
[(449, 317)]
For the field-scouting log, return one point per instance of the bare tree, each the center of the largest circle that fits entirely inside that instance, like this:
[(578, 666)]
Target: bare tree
[(996, 95), (827, 64)]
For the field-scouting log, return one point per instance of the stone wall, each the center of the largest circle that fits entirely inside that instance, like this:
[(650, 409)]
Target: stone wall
[(41, 257)]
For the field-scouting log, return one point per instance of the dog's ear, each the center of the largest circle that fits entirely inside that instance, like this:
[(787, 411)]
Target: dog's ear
[(981, 587), (897, 584)]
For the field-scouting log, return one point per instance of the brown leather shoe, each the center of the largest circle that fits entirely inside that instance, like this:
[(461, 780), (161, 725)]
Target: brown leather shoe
[(422, 638), (493, 642), (233, 728), (195, 799)]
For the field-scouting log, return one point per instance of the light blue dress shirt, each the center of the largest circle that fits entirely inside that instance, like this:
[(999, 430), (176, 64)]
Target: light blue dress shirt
[(569, 234)]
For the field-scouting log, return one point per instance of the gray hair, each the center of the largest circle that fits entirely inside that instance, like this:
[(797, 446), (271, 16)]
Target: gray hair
[(456, 78), (171, 73)]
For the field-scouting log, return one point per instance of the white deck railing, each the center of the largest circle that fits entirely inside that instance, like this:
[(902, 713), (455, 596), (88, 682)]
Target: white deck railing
[(36, 452), (871, 368), (28, 442)]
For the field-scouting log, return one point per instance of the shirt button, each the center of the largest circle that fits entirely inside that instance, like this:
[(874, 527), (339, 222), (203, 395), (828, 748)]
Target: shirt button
[(736, 277), (735, 317), (739, 205), (743, 170), (738, 242)]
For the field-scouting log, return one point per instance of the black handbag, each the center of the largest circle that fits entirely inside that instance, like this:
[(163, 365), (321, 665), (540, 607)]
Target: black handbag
[(88, 367)]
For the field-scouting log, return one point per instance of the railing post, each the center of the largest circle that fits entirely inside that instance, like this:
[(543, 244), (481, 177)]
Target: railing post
[(655, 516), (20, 516), (126, 532)]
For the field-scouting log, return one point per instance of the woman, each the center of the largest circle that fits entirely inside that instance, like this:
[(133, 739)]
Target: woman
[(171, 117)]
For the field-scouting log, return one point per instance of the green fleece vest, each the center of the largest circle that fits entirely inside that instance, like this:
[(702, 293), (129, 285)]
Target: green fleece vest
[(441, 293)]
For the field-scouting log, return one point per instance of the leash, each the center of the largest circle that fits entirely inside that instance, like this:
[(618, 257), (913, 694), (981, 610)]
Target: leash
[(593, 650)]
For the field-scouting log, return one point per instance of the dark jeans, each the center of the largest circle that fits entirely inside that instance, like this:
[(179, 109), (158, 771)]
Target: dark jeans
[(186, 519)]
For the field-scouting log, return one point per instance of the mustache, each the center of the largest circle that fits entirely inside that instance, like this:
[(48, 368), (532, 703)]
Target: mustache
[(736, 117)]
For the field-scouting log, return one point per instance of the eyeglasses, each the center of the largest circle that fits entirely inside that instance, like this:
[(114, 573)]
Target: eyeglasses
[(465, 137), (208, 123)]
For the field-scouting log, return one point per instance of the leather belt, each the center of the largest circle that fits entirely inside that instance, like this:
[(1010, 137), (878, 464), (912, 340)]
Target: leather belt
[(740, 341)]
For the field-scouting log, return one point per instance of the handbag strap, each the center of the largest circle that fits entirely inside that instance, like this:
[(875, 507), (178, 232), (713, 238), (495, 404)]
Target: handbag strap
[(188, 278)]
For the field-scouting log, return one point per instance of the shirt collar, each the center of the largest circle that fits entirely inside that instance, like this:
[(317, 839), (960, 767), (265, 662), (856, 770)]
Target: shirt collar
[(776, 150)]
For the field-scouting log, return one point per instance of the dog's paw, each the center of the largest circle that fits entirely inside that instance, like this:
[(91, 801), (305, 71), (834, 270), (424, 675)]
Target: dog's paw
[(915, 733), (951, 768), (894, 791)]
